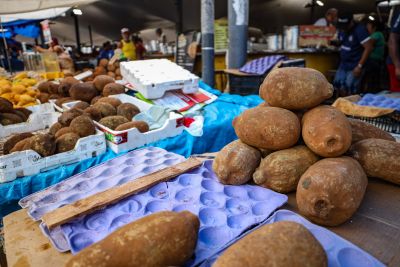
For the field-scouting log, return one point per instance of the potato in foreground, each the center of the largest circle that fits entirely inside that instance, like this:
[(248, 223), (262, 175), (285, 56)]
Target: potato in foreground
[(295, 88), (331, 190), (363, 130), (236, 163), (281, 170), (274, 245), (160, 239), (267, 128)]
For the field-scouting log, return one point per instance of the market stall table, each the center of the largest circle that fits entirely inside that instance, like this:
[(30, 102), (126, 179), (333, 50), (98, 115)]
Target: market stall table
[(375, 228), (217, 132)]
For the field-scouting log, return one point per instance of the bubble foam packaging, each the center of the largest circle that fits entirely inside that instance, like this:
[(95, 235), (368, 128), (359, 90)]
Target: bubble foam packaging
[(339, 251), (224, 211), (111, 173), (379, 101)]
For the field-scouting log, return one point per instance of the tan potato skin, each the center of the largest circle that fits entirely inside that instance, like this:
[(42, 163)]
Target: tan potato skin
[(236, 163), (326, 131), (281, 170), (295, 88), (331, 190), (279, 244), (268, 128), (363, 130), (142, 126), (160, 239), (379, 158), (12, 141)]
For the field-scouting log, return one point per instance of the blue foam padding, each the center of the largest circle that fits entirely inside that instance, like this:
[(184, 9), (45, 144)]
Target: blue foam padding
[(380, 101), (339, 251)]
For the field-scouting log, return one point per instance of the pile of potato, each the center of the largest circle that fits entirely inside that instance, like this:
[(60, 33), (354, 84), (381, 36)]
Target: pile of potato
[(19, 90), (105, 68), (292, 142), (10, 115), (71, 89), (61, 137)]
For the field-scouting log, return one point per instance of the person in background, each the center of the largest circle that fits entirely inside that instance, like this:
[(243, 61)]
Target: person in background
[(162, 38), (126, 45), (394, 51), (52, 44), (65, 60), (140, 49), (329, 19), (356, 46), (375, 75), (106, 51)]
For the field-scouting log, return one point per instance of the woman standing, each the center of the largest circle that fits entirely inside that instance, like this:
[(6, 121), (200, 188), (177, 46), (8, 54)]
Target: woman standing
[(375, 76)]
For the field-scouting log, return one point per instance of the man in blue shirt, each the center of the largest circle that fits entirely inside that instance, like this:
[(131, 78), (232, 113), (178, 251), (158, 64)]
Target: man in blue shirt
[(354, 52), (394, 50)]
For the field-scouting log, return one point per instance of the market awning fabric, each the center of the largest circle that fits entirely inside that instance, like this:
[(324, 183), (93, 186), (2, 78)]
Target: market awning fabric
[(218, 132), (22, 6), (35, 15)]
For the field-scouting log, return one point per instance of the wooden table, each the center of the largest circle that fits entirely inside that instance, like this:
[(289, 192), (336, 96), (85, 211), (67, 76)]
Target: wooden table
[(375, 228)]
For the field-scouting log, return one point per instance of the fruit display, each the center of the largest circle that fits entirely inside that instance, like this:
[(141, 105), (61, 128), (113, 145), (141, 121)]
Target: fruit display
[(61, 137), (105, 68), (19, 90), (305, 147), (70, 89)]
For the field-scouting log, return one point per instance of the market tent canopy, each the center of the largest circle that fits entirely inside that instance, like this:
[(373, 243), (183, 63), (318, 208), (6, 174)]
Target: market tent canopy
[(107, 17), (23, 6)]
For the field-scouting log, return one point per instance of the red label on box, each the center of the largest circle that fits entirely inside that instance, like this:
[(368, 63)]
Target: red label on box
[(116, 138)]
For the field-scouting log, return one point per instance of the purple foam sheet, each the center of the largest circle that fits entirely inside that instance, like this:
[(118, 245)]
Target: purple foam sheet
[(110, 173), (379, 101), (224, 211), (339, 251)]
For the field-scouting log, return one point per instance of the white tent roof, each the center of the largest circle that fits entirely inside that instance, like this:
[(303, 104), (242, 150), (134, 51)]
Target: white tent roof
[(36, 15), (9, 7)]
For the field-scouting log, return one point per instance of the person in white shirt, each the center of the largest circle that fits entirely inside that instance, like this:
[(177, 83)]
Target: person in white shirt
[(329, 19)]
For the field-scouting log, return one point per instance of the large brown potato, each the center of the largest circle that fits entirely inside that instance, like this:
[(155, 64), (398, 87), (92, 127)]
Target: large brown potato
[(66, 84), (112, 122), (43, 144), (5, 105), (281, 170), (326, 131), (279, 244), (236, 163), (101, 80), (83, 91), (363, 130), (331, 190), (160, 239), (379, 158), (295, 88), (13, 140), (268, 128)]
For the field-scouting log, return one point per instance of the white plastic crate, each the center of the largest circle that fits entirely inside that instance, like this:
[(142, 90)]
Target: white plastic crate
[(120, 141), (28, 162), (153, 77), (42, 117)]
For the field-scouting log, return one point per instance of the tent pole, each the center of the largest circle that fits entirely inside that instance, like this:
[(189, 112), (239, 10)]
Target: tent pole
[(90, 36), (238, 19), (78, 37), (6, 46), (207, 41)]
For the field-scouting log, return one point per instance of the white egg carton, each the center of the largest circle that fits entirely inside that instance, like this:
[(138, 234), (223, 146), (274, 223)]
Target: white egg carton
[(120, 141), (29, 162), (41, 117), (153, 77)]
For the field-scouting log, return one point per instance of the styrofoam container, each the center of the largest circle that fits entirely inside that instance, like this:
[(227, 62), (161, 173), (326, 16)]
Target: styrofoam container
[(339, 251), (40, 118), (152, 78), (29, 162), (120, 141)]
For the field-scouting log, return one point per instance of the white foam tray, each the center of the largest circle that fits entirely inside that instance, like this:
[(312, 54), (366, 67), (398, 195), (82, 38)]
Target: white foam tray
[(42, 117), (153, 77), (29, 162), (120, 141)]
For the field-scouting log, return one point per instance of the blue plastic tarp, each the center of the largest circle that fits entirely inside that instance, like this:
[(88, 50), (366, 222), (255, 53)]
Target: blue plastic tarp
[(218, 132)]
